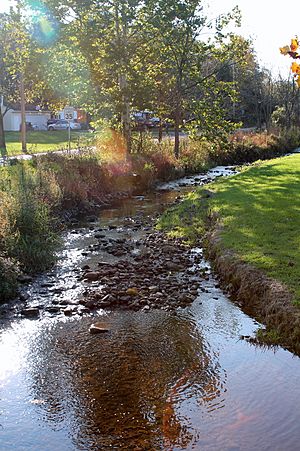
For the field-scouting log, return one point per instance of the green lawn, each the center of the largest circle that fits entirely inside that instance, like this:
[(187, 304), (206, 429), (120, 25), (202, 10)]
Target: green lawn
[(260, 211), (45, 141)]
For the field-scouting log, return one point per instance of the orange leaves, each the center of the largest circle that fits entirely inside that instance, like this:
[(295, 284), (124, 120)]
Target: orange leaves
[(294, 45), (291, 50), (295, 68)]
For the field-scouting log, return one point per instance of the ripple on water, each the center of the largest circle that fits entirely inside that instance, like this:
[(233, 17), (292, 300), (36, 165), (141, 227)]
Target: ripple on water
[(156, 381)]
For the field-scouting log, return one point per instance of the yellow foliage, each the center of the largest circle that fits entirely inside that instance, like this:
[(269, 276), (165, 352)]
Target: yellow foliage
[(294, 44), (285, 50), (295, 68), (292, 52)]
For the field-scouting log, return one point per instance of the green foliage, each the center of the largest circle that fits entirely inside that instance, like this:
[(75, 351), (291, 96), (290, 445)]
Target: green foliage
[(186, 220), (268, 337), (192, 65), (32, 240), (8, 279)]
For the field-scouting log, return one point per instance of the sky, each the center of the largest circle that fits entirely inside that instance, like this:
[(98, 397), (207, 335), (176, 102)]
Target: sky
[(271, 25)]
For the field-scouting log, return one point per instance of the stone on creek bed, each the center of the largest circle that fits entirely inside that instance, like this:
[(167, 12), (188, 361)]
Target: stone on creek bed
[(98, 328), (92, 276), (31, 312), (70, 310), (24, 278), (53, 309)]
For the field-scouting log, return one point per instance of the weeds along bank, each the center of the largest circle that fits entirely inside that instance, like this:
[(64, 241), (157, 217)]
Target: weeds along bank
[(35, 195), (251, 227)]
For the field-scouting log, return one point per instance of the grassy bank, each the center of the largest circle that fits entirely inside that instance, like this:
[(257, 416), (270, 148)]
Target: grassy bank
[(260, 215), (45, 141), (36, 193), (255, 221)]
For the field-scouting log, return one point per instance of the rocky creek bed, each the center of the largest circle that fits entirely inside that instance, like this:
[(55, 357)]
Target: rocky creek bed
[(161, 275), (114, 262)]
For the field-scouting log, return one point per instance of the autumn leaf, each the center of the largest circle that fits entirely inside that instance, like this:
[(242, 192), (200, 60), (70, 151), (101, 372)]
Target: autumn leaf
[(294, 44), (285, 50), (294, 55), (295, 68)]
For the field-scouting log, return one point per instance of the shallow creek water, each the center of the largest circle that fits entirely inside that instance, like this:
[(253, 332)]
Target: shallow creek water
[(158, 380)]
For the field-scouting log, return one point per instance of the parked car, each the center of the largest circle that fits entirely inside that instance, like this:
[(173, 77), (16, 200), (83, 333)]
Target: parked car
[(62, 124), (154, 121), (51, 121), (75, 125)]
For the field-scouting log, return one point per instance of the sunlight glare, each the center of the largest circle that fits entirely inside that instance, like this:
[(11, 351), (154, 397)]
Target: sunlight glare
[(14, 348)]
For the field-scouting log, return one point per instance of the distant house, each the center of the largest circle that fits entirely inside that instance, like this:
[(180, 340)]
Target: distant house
[(12, 118)]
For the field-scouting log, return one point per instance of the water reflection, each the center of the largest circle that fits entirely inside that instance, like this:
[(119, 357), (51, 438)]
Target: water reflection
[(154, 382), (124, 390)]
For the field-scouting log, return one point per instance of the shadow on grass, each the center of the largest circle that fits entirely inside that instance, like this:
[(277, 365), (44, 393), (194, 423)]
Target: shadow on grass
[(260, 213)]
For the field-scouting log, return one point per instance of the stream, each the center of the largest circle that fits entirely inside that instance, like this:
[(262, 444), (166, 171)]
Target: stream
[(163, 378)]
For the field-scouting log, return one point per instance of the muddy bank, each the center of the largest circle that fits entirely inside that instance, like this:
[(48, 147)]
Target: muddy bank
[(262, 297)]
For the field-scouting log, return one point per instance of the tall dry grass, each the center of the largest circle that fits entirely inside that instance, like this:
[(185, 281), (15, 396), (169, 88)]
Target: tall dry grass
[(28, 240)]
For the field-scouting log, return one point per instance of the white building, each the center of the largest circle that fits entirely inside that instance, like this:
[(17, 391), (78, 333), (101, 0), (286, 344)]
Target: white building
[(12, 119)]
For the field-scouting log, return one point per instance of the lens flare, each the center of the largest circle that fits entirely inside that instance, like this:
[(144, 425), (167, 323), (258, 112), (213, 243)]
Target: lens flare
[(45, 28)]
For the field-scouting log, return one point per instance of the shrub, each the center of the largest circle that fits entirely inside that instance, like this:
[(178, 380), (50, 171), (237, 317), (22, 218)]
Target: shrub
[(32, 241), (80, 178), (27, 200), (8, 279)]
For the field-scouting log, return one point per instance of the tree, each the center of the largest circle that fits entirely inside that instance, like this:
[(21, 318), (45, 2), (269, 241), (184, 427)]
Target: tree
[(286, 112), (152, 53), (19, 74), (192, 64), (107, 33), (8, 80)]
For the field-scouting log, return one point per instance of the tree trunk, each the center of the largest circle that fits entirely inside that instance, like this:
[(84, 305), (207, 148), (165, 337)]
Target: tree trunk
[(121, 35), (23, 115), (2, 136), (176, 131), (125, 113), (160, 131)]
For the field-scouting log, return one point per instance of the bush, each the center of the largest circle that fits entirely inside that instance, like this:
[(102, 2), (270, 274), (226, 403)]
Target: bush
[(27, 225), (32, 241), (80, 178), (8, 279)]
